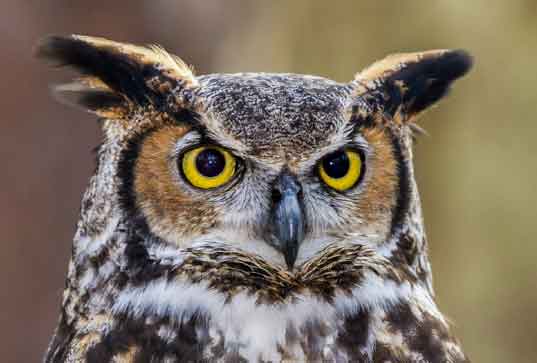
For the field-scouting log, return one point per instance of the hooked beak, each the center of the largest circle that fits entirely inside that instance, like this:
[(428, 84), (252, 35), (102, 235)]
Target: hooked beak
[(287, 217)]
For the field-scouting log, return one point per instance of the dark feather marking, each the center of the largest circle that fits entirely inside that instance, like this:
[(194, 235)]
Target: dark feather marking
[(404, 190), (354, 334), (127, 196), (427, 336), (407, 252), (143, 335)]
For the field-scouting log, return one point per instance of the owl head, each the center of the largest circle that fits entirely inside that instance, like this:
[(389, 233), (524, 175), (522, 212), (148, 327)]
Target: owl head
[(280, 166)]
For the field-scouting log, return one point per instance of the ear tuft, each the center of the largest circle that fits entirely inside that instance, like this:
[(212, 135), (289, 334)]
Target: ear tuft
[(138, 75), (410, 83)]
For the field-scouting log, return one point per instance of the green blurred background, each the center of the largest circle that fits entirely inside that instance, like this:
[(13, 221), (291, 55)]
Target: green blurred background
[(477, 169)]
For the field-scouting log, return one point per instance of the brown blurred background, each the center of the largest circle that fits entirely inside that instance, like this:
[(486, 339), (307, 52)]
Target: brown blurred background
[(477, 169)]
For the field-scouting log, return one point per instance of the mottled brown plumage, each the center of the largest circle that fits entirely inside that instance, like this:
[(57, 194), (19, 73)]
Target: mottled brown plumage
[(275, 263)]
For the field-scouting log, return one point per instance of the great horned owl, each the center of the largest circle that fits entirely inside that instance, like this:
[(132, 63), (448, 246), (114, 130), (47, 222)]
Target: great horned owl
[(252, 216)]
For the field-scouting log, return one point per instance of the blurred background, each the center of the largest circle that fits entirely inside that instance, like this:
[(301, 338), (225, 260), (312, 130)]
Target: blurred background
[(477, 169)]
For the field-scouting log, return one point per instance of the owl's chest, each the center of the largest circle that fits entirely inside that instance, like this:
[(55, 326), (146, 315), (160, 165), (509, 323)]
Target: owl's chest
[(205, 327), (250, 336)]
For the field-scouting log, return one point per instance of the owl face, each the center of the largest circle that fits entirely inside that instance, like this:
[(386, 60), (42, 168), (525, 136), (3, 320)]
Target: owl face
[(274, 165), (278, 165)]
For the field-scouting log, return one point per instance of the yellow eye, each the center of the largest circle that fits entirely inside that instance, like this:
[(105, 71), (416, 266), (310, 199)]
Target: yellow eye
[(341, 170), (208, 167)]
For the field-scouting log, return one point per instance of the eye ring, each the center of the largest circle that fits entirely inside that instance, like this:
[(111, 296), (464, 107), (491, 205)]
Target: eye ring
[(342, 169), (208, 166)]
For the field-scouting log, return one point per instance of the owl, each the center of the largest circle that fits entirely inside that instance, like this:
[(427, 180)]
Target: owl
[(250, 217)]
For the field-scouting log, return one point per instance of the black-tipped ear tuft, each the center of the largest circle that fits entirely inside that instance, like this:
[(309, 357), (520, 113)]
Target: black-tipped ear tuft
[(112, 71), (429, 80), (410, 83), (120, 71)]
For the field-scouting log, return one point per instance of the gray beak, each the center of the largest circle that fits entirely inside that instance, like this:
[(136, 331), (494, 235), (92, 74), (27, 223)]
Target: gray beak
[(287, 217)]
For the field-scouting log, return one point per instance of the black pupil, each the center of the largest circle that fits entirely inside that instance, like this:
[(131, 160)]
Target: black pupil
[(336, 165), (210, 162)]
